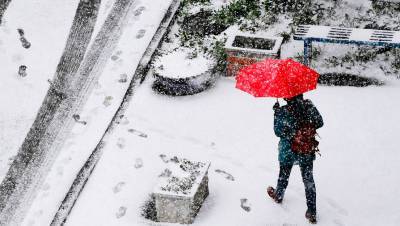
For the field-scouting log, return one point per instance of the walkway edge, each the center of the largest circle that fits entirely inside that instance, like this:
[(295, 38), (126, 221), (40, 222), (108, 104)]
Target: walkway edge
[(80, 181)]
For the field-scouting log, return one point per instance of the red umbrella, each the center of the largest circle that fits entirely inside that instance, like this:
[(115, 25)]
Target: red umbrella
[(276, 78)]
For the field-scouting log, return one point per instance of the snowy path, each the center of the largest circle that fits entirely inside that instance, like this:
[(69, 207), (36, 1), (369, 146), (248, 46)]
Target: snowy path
[(99, 110), (46, 28), (234, 131)]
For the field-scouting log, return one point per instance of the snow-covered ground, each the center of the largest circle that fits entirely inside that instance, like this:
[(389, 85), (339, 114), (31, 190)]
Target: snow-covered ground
[(355, 177), (46, 28), (99, 110)]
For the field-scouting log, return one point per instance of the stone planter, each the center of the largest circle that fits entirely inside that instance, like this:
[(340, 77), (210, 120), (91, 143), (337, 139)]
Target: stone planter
[(181, 191), (244, 49), (181, 73)]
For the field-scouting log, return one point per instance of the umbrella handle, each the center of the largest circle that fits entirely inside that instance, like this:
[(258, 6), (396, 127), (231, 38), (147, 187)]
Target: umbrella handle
[(276, 105)]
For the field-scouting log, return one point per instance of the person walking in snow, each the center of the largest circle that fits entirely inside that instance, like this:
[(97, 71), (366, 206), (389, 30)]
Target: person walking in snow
[(287, 122)]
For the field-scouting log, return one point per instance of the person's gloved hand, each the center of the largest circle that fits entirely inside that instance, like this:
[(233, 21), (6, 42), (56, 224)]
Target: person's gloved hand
[(276, 106)]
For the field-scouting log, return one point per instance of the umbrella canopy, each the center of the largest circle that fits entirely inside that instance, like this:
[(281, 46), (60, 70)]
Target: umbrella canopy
[(276, 78)]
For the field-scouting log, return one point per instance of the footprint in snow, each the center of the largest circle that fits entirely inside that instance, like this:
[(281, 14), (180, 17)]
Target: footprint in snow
[(336, 206), (22, 71), (140, 33), (123, 78), (117, 188), (164, 158), (138, 163), (25, 43), (228, 176), (121, 212), (212, 145), (114, 57), (107, 101), (97, 85), (123, 120), (245, 205), (139, 11), (137, 132), (121, 142), (338, 222), (77, 119)]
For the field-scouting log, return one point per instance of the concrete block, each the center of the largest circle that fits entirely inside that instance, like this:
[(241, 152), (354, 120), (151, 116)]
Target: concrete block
[(181, 191)]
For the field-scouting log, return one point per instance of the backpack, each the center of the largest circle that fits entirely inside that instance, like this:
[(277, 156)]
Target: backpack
[(304, 140)]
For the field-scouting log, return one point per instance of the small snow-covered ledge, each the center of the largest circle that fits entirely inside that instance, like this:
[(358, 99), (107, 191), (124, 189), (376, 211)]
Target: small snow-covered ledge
[(181, 191)]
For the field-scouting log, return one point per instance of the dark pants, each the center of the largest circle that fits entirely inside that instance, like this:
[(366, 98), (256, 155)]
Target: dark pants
[(308, 180)]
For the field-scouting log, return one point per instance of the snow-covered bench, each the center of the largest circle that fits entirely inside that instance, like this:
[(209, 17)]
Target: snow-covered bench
[(356, 36)]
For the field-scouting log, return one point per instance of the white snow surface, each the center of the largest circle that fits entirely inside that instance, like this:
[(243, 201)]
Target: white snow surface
[(99, 110), (355, 177), (47, 30), (173, 175), (180, 64)]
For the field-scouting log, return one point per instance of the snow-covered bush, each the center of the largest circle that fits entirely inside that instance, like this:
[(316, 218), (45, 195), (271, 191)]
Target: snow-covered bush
[(385, 7), (238, 10), (203, 25)]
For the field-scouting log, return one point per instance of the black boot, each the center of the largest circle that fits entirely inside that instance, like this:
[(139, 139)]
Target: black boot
[(271, 192), (312, 217)]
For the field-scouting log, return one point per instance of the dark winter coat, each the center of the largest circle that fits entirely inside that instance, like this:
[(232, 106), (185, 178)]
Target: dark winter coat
[(286, 125)]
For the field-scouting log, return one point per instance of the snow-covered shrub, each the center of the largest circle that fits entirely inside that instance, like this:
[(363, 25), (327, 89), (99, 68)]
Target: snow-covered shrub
[(285, 6), (201, 24), (281, 17), (343, 79), (300, 11), (238, 10), (195, 1), (384, 7), (312, 14), (219, 54)]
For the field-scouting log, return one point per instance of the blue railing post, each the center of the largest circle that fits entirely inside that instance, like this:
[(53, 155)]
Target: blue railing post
[(307, 52)]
